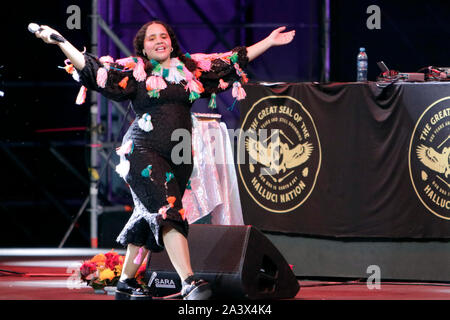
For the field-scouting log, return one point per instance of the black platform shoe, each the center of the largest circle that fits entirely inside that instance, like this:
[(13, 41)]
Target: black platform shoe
[(195, 289), (130, 289)]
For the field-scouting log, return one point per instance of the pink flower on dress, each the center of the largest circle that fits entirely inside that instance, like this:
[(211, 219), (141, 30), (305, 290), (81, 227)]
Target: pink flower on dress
[(125, 148), (155, 83), (102, 76), (139, 70), (163, 211), (194, 85), (222, 84), (81, 97), (238, 92), (106, 59)]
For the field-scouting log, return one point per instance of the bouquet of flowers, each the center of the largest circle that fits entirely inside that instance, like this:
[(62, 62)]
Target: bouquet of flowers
[(105, 269)]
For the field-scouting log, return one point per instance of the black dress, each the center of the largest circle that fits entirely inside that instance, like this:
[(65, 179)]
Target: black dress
[(156, 183)]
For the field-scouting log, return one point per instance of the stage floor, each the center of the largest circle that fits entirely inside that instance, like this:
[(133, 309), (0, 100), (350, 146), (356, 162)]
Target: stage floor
[(45, 274)]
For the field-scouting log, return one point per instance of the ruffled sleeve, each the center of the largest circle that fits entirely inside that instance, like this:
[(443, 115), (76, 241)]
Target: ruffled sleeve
[(222, 71), (116, 80)]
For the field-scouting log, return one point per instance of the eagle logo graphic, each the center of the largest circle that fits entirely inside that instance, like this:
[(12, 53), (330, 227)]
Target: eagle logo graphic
[(278, 156), (439, 162), (429, 158)]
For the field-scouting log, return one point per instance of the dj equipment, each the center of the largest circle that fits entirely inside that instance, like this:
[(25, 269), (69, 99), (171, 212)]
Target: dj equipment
[(411, 76), (425, 74), (436, 73)]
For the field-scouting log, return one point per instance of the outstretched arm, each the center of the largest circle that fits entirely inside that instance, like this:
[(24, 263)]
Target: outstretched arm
[(116, 83), (276, 38), (72, 53)]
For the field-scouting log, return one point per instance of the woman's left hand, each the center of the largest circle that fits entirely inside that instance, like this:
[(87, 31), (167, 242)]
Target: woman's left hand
[(279, 38), (276, 38)]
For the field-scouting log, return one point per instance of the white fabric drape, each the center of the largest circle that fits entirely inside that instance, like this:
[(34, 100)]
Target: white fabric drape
[(214, 188)]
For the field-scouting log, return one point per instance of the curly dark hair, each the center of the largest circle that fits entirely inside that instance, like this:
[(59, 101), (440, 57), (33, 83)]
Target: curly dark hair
[(138, 44)]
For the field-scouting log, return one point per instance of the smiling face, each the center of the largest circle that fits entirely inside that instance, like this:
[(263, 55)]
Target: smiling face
[(157, 43)]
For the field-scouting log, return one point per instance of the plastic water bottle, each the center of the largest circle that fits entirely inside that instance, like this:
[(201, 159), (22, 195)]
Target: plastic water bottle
[(361, 65)]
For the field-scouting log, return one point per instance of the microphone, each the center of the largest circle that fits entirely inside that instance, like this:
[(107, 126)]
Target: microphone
[(33, 28)]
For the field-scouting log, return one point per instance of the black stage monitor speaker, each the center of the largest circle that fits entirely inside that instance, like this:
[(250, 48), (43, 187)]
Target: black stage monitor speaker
[(238, 261)]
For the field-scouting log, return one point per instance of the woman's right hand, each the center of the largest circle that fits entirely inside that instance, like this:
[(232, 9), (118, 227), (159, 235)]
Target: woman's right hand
[(45, 33), (72, 53)]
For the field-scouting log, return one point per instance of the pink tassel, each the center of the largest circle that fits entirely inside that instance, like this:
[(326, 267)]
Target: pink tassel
[(102, 76), (222, 84), (194, 86), (139, 70), (205, 65), (125, 148), (189, 76), (155, 83), (160, 83), (68, 66), (81, 97), (125, 61), (138, 259), (106, 59), (163, 211), (203, 60), (238, 92)]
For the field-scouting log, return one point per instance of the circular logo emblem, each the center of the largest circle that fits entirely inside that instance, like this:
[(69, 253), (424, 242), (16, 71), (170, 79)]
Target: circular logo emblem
[(279, 153), (429, 158)]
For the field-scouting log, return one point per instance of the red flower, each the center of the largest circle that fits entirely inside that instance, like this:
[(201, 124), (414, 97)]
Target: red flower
[(112, 259), (140, 274), (87, 268)]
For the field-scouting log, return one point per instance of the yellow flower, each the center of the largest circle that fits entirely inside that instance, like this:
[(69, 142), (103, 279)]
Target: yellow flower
[(106, 274), (118, 269)]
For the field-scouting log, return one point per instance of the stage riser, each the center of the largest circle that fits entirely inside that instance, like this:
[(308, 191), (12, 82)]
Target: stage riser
[(400, 260)]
